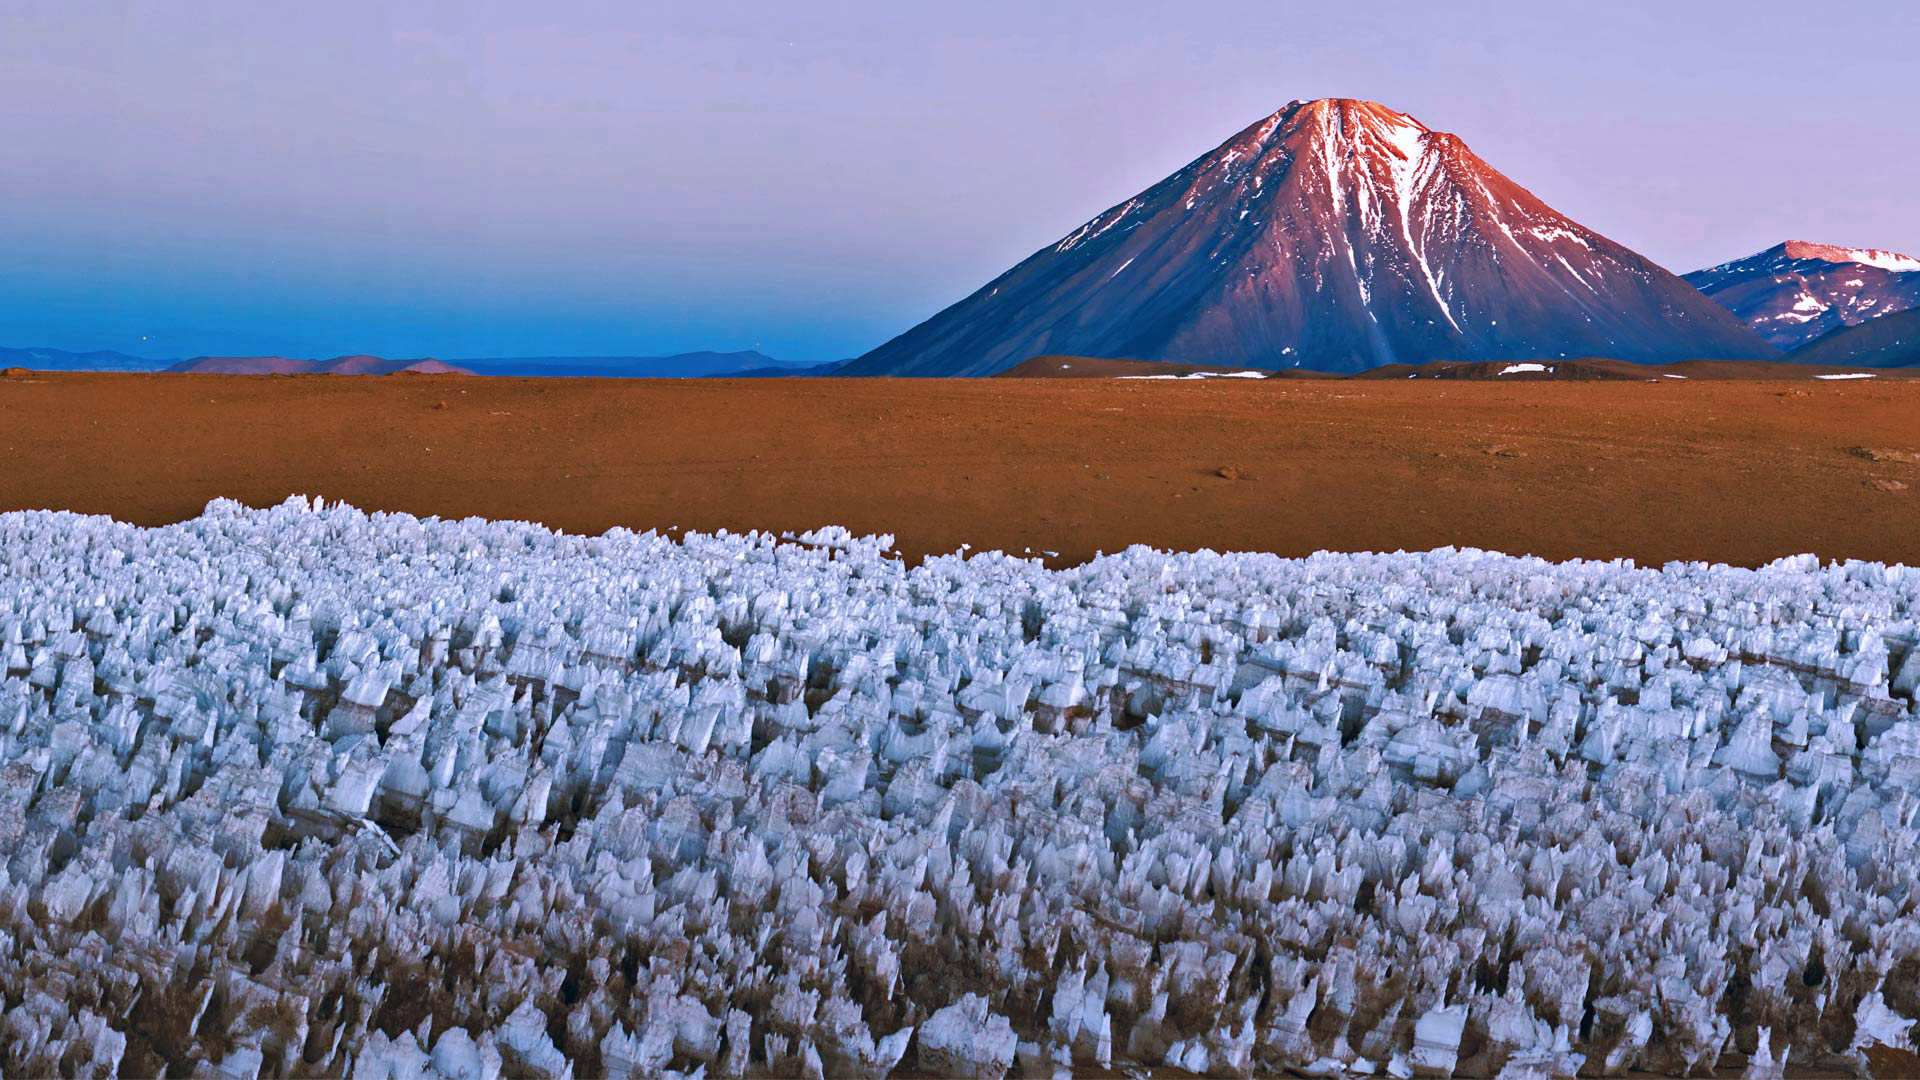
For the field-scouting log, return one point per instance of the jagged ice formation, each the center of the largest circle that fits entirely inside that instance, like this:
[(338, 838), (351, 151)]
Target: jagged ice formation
[(309, 791)]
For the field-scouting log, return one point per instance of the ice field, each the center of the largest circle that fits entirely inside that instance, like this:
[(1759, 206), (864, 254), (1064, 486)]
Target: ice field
[(310, 791)]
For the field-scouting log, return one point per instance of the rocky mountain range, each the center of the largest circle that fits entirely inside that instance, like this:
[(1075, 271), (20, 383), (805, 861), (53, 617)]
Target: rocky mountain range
[(742, 364), (1794, 293), (340, 365), (41, 359), (1334, 234), (692, 365)]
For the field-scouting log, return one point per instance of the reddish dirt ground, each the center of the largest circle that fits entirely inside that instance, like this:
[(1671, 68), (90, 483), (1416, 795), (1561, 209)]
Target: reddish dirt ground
[(1731, 471)]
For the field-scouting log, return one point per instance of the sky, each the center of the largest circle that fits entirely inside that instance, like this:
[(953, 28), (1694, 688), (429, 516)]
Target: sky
[(606, 177)]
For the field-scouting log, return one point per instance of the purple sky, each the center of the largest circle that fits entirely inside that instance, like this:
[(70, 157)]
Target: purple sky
[(472, 179)]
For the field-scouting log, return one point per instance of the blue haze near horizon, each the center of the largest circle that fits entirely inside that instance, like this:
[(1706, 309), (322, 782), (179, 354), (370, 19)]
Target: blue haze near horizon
[(601, 178)]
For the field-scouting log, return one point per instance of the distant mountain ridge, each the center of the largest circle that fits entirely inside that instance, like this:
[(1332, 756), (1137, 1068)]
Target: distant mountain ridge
[(690, 365), (360, 364), (1338, 235), (742, 364), (63, 360), (786, 371), (1794, 293)]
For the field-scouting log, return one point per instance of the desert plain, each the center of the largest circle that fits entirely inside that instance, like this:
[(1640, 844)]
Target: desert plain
[(1738, 471)]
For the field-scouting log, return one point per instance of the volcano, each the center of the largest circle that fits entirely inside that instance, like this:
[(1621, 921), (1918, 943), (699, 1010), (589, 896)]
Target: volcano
[(1334, 235), (1795, 292)]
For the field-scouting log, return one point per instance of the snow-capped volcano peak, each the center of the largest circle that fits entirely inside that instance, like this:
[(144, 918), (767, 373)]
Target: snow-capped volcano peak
[(1337, 234), (1354, 116), (1884, 260)]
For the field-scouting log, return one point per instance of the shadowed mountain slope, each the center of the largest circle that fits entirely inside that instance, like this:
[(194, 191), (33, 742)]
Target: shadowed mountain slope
[(1890, 341)]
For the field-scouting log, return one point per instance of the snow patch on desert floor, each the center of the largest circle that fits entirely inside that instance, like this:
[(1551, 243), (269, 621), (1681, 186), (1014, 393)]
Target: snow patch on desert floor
[(1517, 369), (310, 791), (1849, 375)]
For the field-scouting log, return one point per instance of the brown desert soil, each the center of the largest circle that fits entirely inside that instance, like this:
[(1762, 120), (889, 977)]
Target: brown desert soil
[(1735, 471)]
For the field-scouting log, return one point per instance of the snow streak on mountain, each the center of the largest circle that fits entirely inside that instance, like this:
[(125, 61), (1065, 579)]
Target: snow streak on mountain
[(1795, 292), (1338, 235)]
